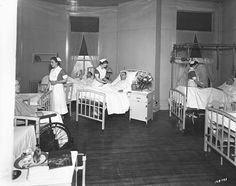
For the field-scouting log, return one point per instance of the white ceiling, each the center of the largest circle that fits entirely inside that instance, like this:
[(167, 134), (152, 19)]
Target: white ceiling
[(97, 3), (92, 3)]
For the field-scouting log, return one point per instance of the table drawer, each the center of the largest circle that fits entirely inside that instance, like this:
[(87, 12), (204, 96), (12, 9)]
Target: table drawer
[(141, 98)]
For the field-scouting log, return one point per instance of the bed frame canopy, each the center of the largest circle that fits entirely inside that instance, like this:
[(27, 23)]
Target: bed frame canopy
[(192, 49), (181, 55)]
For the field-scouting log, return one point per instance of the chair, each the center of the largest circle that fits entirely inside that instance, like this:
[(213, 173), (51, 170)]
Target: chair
[(68, 87)]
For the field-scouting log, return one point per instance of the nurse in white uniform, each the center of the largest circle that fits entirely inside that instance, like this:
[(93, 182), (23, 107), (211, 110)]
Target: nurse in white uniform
[(100, 71), (193, 78), (57, 78)]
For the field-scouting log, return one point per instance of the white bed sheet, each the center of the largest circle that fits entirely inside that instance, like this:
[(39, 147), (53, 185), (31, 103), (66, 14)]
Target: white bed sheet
[(198, 98), (116, 102), (56, 118), (24, 138), (33, 98)]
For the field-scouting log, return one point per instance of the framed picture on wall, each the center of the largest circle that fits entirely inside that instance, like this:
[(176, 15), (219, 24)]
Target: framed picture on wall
[(42, 57)]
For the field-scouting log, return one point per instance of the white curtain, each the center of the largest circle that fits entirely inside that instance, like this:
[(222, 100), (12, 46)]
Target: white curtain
[(207, 70), (91, 40), (74, 47), (180, 74)]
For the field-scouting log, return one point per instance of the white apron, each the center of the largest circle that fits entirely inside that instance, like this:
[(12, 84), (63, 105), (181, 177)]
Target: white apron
[(102, 72), (191, 82), (58, 97)]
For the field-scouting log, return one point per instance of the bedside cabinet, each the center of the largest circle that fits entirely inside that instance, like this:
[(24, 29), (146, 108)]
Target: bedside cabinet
[(141, 105)]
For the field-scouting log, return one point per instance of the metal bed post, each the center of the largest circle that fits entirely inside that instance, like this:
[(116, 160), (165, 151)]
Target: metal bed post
[(206, 135), (184, 113), (233, 65)]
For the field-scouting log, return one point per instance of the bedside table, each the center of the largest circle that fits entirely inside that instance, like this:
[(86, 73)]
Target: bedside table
[(141, 105)]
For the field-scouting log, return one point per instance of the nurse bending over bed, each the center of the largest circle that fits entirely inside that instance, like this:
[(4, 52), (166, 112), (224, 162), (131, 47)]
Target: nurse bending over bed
[(193, 78), (100, 71)]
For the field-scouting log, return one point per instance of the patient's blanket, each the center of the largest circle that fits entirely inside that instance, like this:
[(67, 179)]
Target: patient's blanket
[(199, 97), (116, 102), (121, 86)]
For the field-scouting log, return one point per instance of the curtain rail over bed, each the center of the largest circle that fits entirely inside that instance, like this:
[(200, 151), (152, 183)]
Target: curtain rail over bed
[(179, 101)]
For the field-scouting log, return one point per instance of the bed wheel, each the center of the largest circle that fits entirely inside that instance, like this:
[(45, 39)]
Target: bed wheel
[(184, 132), (208, 149), (55, 136), (206, 153), (179, 126)]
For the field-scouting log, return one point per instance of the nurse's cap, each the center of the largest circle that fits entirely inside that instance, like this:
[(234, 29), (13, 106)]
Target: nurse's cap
[(103, 60), (193, 62), (59, 59)]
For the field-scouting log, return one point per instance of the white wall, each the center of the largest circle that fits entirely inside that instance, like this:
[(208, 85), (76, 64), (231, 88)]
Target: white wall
[(170, 36), (42, 30), (108, 38), (229, 36), (7, 94), (137, 36)]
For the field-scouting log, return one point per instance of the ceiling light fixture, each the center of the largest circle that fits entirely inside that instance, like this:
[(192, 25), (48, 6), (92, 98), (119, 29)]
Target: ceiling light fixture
[(73, 5)]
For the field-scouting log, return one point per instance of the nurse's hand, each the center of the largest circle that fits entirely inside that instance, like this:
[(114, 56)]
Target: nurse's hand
[(105, 80), (53, 82)]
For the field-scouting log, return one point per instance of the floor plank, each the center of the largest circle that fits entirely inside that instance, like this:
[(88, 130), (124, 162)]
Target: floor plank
[(132, 153)]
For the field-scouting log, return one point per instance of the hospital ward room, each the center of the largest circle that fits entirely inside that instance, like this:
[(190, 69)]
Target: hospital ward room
[(118, 92)]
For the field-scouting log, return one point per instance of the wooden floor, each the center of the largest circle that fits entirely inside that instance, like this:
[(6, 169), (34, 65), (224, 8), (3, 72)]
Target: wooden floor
[(132, 153)]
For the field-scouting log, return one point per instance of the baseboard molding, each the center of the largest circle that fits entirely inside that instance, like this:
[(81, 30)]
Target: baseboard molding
[(164, 105)]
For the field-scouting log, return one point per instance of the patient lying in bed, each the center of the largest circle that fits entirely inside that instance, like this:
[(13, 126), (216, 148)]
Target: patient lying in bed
[(88, 81), (229, 88), (122, 85), (24, 109)]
